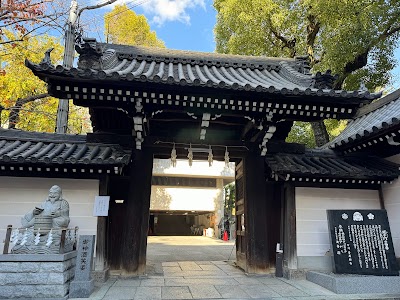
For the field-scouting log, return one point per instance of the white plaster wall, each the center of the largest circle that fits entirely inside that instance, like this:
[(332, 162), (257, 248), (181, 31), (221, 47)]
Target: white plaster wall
[(185, 199), (20, 195), (311, 221), (391, 196)]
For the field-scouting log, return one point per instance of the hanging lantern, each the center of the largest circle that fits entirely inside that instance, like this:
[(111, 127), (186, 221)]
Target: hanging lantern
[(226, 157), (190, 156), (210, 157), (173, 156)]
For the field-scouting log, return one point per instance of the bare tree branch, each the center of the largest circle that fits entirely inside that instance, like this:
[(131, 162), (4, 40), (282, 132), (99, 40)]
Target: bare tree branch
[(95, 6), (361, 59), (287, 43)]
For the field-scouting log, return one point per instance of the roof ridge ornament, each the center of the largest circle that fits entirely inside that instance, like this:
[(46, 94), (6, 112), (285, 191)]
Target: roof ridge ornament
[(303, 61), (325, 80), (46, 59), (362, 87), (90, 54)]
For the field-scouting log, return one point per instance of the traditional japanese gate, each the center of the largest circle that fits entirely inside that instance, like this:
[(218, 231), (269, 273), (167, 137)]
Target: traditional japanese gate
[(152, 101)]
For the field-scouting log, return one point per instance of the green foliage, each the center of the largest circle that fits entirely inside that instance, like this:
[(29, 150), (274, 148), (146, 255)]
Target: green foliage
[(18, 82), (230, 195), (355, 39), (124, 26), (302, 132)]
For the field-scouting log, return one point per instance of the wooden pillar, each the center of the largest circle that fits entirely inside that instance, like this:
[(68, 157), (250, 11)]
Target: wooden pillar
[(133, 255), (256, 215), (290, 241), (101, 236)]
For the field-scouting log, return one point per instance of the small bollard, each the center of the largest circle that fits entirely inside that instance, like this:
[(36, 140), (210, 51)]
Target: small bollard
[(279, 261)]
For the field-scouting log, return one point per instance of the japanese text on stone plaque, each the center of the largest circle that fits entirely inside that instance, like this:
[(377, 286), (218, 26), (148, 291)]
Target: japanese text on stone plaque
[(361, 242), (84, 254)]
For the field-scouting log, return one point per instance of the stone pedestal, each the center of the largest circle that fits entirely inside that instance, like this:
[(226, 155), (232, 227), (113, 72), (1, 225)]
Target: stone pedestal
[(356, 284), (83, 284), (34, 276)]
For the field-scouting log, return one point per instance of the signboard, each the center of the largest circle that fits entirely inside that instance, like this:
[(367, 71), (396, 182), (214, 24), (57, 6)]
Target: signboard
[(362, 242), (101, 204)]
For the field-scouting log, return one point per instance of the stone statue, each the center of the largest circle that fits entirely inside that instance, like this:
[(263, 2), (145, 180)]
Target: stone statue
[(54, 206), (42, 227)]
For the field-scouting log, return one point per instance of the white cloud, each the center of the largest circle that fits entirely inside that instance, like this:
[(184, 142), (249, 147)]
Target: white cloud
[(171, 10)]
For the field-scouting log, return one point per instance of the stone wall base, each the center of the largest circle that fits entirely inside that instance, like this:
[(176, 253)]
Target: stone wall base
[(81, 289), (101, 276), (36, 276), (294, 273)]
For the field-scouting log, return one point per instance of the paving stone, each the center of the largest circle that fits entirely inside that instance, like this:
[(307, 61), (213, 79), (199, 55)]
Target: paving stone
[(152, 282), (199, 281), (219, 262), (204, 262), (148, 293), (169, 270), (170, 264), (204, 291), (287, 290), (259, 291), (189, 266), (128, 282), (234, 292), (247, 280), (210, 267), (120, 292), (269, 280), (310, 288), (200, 273), (175, 292)]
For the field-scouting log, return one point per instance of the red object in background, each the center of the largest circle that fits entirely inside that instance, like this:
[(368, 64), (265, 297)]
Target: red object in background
[(225, 236)]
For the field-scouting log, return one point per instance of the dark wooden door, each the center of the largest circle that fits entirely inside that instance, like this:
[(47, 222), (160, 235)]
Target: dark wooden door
[(240, 217), (119, 190)]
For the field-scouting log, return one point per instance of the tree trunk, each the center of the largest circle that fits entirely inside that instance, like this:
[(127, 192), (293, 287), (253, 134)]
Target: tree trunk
[(1, 110), (320, 133), (13, 119)]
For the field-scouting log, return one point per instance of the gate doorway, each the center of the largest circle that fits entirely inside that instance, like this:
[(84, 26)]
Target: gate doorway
[(188, 212)]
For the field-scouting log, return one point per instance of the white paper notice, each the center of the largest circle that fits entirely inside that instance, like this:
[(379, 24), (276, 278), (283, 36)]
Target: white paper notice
[(101, 204)]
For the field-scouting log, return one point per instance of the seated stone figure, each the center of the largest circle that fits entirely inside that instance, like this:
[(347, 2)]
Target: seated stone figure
[(54, 206)]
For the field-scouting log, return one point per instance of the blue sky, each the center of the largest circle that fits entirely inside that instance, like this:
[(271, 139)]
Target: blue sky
[(181, 24), (189, 24)]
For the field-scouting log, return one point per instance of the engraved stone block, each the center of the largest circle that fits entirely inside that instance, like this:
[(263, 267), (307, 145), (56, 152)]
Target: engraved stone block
[(362, 242)]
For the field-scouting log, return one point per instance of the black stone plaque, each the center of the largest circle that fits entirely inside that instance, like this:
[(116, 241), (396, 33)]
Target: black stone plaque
[(362, 242)]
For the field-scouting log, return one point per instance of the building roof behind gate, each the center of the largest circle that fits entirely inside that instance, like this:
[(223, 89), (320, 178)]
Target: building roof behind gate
[(376, 123), (326, 166), (57, 152)]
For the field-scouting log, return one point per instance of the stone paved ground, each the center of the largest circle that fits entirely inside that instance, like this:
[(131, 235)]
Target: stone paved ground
[(215, 280), (203, 268)]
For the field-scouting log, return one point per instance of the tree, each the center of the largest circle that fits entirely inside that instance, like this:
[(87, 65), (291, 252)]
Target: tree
[(355, 39), (124, 26), (302, 132), (23, 96), (25, 17)]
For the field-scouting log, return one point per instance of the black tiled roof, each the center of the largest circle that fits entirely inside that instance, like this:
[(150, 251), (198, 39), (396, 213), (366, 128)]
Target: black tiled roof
[(325, 164), (371, 120), (20, 147), (175, 67)]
